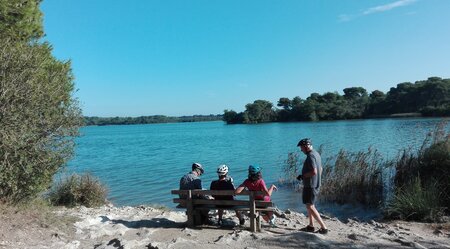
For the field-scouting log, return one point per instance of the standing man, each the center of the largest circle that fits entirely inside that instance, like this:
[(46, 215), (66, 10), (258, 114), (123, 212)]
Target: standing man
[(311, 176)]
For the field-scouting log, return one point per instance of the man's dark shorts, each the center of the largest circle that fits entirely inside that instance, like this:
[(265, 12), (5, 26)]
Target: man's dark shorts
[(309, 195)]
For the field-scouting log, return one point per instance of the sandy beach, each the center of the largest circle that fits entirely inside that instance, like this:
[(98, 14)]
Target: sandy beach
[(110, 227)]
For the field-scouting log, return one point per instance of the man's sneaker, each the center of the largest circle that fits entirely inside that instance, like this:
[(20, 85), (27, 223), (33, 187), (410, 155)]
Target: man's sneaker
[(322, 231), (308, 229)]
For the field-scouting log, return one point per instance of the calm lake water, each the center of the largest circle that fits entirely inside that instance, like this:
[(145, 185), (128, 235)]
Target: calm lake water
[(141, 163)]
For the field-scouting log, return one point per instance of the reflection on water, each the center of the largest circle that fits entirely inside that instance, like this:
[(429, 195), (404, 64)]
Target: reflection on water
[(142, 163)]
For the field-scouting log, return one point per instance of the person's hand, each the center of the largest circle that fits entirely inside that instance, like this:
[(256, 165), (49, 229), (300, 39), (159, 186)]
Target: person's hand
[(274, 187), (300, 177)]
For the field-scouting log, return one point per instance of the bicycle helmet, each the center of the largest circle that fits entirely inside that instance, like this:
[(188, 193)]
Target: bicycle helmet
[(198, 166), (254, 169), (222, 170), (304, 142)]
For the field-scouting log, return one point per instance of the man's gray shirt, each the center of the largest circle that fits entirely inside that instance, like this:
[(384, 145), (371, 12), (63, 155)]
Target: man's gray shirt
[(313, 160), (190, 181)]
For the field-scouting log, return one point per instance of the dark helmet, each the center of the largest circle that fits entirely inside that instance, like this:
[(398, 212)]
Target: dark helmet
[(304, 141), (254, 169), (198, 166)]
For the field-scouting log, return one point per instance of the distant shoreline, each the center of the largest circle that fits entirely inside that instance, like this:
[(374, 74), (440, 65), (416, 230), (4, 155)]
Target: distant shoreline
[(210, 118), (155, 119)]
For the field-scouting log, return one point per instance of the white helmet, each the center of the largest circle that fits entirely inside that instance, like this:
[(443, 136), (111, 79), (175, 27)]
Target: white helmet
[(222, 170)]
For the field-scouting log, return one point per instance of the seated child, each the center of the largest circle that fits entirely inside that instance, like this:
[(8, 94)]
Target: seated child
[(256, 183), (224, 182)]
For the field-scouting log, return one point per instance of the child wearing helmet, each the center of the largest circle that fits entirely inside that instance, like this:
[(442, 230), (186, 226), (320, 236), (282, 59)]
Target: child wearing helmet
[(225, 182), (254, 182)]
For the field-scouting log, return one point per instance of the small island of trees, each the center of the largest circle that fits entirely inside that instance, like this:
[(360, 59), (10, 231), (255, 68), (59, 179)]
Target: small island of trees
[(429, 97)]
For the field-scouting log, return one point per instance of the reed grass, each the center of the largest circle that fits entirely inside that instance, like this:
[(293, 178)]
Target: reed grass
[(290, 170), (415, 185), (346, 178), (422, 179), (354, 177)]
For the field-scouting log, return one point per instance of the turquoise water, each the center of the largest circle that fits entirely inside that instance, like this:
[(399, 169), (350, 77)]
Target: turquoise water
[(141, 163)]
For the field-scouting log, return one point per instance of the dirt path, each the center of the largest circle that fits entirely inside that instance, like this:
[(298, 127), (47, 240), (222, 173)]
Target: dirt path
[(146, 227)]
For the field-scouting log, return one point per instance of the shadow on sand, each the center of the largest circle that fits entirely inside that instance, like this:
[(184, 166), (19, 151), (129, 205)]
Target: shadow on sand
[(152, 223), (311, 240)]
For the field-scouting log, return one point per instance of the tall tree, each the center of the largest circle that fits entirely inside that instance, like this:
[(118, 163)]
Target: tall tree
[(284, 114), (357, 101), (286, 103), (260, 111), (21, 19), (232, 117), (376, 103), (39, 117)]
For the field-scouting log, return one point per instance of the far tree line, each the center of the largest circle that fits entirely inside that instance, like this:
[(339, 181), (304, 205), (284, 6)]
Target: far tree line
[(429, 97), (149, 119)]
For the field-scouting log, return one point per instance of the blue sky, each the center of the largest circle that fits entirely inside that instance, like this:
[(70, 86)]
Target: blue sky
[(135, 58)]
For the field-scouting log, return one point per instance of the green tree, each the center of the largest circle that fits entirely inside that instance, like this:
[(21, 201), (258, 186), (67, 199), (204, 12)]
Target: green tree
[(402, 98), (296, 111), (357, 101), (232, 117), (435, 92), (285, 113), (376, 103), (261, 111), (39, 117), (286, 103), (21, 20)]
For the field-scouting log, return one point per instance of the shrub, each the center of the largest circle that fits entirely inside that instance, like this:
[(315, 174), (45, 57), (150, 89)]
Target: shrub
[(76, 189), (416, 202)]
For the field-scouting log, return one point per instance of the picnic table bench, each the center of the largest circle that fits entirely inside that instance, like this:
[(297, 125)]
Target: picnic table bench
[(246, 203)]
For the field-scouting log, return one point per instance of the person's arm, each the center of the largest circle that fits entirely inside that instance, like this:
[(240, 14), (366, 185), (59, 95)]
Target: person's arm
[(310, 173), (312, 168), (271, 189), (268, 191), (239, 189)]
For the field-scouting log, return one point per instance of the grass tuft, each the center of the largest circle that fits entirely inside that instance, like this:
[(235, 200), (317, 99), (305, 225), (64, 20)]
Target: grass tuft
[(416, 202), (76, 190)]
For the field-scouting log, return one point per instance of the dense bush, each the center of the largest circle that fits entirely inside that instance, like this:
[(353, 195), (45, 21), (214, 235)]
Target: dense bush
[(76, 190), (38, 115), (38, 118)]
